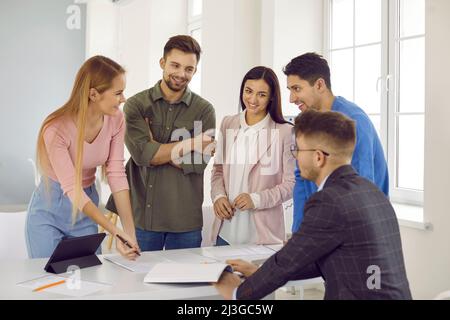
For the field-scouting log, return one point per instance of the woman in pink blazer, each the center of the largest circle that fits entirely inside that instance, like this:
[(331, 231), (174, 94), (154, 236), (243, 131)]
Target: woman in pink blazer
[(253, 171)]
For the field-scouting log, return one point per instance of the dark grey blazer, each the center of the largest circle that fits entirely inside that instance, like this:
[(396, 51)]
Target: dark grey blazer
[(349, 236)]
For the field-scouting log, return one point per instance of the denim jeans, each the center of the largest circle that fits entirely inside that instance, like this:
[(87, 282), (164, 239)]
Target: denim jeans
[(153, 240), (49, 219), (220, 242)]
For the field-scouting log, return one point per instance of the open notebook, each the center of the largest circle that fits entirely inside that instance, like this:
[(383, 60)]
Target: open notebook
[(186, 272)]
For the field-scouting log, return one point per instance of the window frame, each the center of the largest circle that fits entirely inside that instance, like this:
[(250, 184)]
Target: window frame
[(194, 22), (398, 194), (388, 86), (191, 17)]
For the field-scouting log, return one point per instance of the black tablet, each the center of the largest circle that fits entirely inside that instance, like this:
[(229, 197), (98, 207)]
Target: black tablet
[(76, 251)]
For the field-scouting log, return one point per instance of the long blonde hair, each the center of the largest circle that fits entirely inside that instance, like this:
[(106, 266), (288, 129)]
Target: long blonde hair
[(97, 72)]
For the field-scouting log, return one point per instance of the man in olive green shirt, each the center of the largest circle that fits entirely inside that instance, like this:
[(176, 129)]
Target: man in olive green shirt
[(170, 146)]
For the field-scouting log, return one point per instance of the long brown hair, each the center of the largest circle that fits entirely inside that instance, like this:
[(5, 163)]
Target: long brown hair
[(269, 76), (97, 72)]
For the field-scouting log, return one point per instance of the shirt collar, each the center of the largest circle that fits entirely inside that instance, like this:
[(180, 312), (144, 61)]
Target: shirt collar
[(157, 94), (323, 183), (257, 126)]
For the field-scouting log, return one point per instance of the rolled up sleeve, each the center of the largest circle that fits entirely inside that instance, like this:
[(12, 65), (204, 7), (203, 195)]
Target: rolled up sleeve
[(137, 135)]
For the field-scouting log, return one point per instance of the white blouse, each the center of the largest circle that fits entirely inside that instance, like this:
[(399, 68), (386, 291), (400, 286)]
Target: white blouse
[(241, 228)]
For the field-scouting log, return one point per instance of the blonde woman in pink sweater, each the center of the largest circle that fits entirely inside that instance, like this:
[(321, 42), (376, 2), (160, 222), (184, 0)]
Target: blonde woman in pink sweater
[(86, 132)]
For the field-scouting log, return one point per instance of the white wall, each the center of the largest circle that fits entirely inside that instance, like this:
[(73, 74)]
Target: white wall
[(39, 57), (167, 18), (102, 32), (427, 254), (230, 37), (290, 28), (144, 28), (134, 34), (134, 44)]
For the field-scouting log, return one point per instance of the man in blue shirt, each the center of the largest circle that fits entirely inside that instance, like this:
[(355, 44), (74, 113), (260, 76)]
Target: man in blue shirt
[(308, 80)]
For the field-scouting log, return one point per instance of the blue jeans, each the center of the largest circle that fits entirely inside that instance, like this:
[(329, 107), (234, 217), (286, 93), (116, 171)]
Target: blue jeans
[(153, 240), (220, 242), (49, 219)]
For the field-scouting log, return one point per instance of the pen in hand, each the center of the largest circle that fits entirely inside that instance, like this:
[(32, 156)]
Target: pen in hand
[(125, 242)]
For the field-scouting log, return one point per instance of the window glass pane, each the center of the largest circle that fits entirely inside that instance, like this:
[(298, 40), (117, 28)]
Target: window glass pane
[(196, 7), (367, 21), (342, 23), (367, 73), (412, 75), (410, 151), (342, 73), (196, 83), (412, 17)]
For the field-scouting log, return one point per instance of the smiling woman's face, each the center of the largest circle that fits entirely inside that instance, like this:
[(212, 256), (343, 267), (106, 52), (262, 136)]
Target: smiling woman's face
[(256, 96), (110, 100)]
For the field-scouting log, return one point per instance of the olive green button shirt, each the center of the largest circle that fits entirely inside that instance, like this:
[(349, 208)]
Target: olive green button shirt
[(165, 198)]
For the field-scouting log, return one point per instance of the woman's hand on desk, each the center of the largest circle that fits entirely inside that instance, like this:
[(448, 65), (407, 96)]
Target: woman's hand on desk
[(244, 267), (223, 209), (125, 250)]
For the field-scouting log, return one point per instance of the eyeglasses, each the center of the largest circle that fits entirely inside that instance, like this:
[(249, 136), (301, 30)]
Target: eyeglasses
[(295, 151)]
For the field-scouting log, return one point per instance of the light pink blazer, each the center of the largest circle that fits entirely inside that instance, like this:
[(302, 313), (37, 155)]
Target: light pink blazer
[(274, 186)]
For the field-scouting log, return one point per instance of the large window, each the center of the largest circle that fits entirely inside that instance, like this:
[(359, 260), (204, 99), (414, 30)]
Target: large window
[(195, 30), (376, 50)]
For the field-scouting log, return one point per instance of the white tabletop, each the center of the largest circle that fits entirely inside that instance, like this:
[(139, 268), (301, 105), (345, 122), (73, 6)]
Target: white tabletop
[(124, 284)]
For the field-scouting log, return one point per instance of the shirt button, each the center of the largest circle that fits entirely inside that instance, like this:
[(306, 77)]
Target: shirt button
[(167, 128), (170, 109), (151, 186), (149, 205)]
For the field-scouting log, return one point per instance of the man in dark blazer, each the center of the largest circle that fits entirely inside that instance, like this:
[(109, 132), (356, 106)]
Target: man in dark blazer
[(350, 234)]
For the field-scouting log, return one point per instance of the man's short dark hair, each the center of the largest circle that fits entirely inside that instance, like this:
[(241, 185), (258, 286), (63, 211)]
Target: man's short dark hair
[(184, 43), (310, 67), (336, 129)]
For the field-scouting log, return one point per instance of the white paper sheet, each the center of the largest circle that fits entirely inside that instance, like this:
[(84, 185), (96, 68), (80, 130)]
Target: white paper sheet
[(143, 264), (71, 289), (234, 253)]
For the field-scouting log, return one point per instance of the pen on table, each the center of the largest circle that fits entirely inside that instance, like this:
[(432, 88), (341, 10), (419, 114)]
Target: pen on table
[(125, 242), (49, 285)]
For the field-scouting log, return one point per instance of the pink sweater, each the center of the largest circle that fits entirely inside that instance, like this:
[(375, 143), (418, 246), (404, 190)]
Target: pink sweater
[(107, 148)]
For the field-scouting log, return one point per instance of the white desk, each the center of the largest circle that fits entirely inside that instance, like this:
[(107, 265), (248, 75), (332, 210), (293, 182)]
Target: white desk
[(125, 284)]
